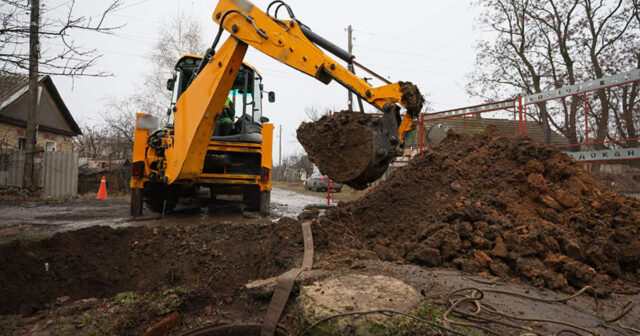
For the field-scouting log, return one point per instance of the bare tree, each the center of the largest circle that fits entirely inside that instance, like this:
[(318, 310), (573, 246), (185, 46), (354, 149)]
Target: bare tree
[(92, 143), (292, 167), (59, 51), (180, 37), (24, 26), (315, 112), (111, 140), (545, 44)]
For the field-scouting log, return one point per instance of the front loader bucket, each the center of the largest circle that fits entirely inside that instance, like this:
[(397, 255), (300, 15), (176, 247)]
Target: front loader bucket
[(351, 147)]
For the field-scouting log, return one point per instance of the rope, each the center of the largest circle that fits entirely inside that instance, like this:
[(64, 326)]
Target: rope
[(478, 314)]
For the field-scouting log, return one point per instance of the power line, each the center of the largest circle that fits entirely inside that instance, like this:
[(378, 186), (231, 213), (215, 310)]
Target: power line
[(408, 54), (137, 18), (384, 35), (434, 49), (132, 5), (56, 7), (103, 50), (435, 15)]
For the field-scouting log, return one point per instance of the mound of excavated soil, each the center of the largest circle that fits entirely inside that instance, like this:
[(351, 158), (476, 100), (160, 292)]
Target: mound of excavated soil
[(498, 205), (340, 145), (102, 262)]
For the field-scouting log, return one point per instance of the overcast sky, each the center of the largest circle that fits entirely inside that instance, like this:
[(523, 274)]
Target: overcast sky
[(426, 42)]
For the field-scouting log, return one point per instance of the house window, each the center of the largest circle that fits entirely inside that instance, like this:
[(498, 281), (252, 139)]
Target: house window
[(50, 146), (22, 143)]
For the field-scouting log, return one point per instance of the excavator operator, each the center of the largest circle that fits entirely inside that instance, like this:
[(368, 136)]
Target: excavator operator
[(225, 123)]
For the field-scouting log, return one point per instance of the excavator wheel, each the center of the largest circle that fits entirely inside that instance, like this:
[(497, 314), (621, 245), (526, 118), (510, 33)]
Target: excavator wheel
[(258, 201), (160, 197)]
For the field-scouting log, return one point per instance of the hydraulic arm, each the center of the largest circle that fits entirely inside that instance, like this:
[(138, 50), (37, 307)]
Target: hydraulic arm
[(293, 43)]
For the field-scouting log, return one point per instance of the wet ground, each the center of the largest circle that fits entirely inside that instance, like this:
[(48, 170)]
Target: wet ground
[(40, 220)]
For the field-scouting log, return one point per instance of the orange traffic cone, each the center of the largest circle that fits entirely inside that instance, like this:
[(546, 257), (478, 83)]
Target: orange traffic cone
[(102, 193)]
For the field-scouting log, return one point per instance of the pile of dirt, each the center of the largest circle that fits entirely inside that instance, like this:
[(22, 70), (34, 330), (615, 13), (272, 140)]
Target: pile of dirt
[(102, 262), (494, 205), (340, 145)]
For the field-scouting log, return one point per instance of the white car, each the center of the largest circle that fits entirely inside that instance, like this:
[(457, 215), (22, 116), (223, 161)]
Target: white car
[(319, 182)]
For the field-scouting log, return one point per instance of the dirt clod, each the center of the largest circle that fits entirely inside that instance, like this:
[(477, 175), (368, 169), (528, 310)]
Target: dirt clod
[(412, 99)]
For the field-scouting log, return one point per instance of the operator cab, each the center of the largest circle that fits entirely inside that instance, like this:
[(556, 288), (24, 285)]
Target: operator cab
[(245, 97)]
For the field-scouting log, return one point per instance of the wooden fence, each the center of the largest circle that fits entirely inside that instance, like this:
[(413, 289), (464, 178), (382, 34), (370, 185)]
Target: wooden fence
[(56, 172)]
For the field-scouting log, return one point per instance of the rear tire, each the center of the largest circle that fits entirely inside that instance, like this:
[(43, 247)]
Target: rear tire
[(160, 197), (259, 201), (265, 202), (136, 202)]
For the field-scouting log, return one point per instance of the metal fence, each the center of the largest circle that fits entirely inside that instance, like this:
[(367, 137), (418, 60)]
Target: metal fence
[(56, 172), (11, 168), (60, 174)]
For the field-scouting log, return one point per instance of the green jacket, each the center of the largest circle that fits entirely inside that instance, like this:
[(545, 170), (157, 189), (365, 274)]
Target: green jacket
[(228, 112)]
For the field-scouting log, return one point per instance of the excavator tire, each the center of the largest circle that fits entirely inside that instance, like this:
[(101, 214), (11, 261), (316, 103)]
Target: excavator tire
[(160, 197), (258, 201)]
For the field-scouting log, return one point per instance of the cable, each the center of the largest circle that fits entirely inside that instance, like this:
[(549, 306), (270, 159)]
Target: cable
[(475, 297), (384, 312)]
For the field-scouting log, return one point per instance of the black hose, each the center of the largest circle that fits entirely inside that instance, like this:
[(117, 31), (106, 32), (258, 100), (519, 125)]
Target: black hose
[(211, 51), (280, 4)]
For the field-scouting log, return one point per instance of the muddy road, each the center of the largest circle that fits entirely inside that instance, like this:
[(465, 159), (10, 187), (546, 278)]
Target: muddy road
[(34, 220)]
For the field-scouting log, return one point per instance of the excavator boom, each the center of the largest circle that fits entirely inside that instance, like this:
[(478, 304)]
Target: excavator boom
[(294, 44)]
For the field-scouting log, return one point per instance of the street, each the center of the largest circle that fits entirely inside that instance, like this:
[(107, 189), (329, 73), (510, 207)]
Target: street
[(40, 220)]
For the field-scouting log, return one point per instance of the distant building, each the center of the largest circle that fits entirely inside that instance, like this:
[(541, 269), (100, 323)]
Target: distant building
[(56, 126)]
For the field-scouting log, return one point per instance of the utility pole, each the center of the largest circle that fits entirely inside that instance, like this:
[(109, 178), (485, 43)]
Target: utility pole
[(280, 148), (353, 71), (32, 99), (350, 48)]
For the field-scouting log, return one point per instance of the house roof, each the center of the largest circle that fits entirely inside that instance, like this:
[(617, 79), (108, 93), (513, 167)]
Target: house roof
[(471, 125), (14, 86)]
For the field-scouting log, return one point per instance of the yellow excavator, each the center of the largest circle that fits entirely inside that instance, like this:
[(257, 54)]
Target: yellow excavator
[(190, 150)]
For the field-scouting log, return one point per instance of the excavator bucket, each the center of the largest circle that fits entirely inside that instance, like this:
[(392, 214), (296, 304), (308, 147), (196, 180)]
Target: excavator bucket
[(350, 147), (356, 148)]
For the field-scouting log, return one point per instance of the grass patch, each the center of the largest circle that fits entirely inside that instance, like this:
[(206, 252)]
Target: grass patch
[(126, 299), (20, 240)]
